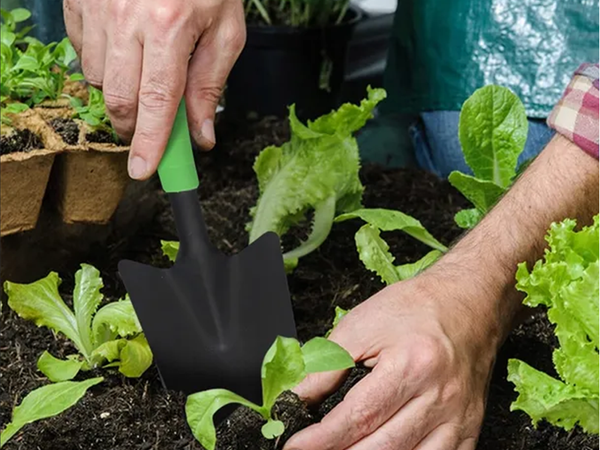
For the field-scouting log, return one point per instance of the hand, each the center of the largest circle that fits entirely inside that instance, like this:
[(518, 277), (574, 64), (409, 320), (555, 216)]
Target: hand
[(138, 53), (429, 380)]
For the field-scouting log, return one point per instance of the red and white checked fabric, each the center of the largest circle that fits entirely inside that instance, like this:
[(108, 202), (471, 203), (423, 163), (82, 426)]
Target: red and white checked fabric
[(575, 116)]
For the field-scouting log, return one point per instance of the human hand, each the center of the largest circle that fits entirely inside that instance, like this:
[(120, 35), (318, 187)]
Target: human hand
[(428, 385), (138, 53)]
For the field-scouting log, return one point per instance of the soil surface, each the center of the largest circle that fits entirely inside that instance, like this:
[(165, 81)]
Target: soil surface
[(101, 137), (137, 414), (20, 141), (67, 129)]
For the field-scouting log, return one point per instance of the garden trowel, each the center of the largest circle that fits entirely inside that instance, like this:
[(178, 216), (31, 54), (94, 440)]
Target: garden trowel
[(210, 318)]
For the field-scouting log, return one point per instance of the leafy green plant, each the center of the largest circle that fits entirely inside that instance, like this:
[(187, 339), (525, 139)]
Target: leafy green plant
[(94, 112), (566, 282), (316, 170), (46, 401), (373, 251), (339, 314), (30, 71), (296, 13), (285, 365), (492, 131), (110, 337)]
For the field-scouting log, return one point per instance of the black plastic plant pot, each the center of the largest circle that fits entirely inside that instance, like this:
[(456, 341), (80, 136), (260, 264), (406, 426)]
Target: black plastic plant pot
[(282, 65)]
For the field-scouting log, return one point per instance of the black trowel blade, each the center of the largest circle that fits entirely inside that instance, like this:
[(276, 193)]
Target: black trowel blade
[(211, 318)]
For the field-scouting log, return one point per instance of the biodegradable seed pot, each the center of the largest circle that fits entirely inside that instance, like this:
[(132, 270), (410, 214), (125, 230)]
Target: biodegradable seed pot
[(281, 65), (28, 146), (90, 176)]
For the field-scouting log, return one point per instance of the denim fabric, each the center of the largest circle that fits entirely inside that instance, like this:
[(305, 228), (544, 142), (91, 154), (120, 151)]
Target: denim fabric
[(437, 148)]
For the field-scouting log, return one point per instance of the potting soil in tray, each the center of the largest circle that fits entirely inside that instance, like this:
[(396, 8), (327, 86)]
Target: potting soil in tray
[(136, 414), (67, 129), (20, 141)]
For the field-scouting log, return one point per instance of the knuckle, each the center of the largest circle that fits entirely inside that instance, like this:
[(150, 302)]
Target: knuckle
[(210, 94), (155, 99), (233, 36), (165, 15), (451, 391), (119, 105)]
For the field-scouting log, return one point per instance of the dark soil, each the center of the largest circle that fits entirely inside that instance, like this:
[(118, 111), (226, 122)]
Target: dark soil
[(126, 414), (67, 129), (19, 141), (101, 137)]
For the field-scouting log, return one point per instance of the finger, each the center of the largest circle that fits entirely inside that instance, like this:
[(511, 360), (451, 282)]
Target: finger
[(123, 67), (73, 23), (93, 44), (316, 387), (444, 437), (208, 72), (405, 429), (369, 404), (164, 71)]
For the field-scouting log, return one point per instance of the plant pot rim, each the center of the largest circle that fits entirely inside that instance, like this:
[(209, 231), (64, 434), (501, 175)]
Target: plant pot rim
[(24, 156), (287, 29)]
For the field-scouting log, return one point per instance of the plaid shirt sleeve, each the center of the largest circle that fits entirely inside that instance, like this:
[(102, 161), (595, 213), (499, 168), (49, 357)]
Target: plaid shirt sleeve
[(576, 114)]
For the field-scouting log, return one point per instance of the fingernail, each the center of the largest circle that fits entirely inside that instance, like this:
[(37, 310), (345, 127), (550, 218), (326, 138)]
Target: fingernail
[(207, 132), (137, 167)]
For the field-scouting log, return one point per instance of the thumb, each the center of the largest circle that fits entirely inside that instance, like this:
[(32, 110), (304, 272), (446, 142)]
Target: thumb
[(316, 387), (208, 70)]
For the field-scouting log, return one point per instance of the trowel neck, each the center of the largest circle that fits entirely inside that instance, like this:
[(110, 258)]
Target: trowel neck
[(193, 236)]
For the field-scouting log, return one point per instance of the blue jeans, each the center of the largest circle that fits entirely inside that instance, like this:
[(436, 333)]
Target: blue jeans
[(437, 148)]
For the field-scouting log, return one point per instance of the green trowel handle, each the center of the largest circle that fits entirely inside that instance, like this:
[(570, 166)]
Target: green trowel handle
[(177, 170)]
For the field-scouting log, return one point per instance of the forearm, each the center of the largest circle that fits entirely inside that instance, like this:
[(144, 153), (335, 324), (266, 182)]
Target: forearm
[(562, 182)]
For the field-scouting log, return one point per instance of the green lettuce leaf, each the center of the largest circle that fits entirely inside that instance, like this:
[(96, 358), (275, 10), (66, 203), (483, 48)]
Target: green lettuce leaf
[(170, 249), (492, 131), (468, 218), (86, 299), (374, 253), (390, 220), (545, 398), (316, 170), (406, 271), (44, 402), (284, 366), (340, 313), (59, 369), (567, 283), (41, 303), (118, 318), (482, 193), (323, 355), (135, 357)]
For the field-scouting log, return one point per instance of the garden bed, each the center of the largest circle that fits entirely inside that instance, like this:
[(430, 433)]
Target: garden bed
[(137, 414)]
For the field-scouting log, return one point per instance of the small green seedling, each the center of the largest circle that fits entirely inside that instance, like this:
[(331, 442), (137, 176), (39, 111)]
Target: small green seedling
[(285, 365), (340, 313), (373, 251), (317, 170), (110, 337), (566, 282), (46, 401), (94, 113), (492, 131)]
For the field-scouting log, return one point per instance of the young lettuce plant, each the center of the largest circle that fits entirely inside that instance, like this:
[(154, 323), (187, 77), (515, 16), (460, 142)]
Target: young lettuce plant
[(110, 337), (373, 251), (566, 282), (94, 113), (492, 131), (285, 365), (316, 170), (46, 401)]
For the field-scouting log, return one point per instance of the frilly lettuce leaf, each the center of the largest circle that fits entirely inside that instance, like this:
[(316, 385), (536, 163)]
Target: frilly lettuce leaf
[(567, 283), (316, 170)]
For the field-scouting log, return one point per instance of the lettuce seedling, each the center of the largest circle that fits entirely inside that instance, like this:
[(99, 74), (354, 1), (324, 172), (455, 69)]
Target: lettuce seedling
[(566, 282), (94, 113), (46, 401), (373, 251), (110, 337), (492, 131), (285, 365), (317, 169)]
